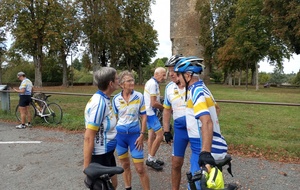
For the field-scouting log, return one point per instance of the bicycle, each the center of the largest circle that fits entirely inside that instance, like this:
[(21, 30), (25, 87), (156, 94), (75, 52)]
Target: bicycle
[(201, 175), (98, 176), (50, 112)]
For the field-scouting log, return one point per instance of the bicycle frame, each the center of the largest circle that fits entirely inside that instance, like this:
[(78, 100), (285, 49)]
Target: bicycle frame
[(45, 106)]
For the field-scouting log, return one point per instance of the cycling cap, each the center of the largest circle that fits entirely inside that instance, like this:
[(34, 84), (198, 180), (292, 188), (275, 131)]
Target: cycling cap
[(173, 60), (189, 64), (21, 74)]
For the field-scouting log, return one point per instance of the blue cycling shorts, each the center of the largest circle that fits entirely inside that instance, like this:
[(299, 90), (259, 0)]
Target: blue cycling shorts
[(127, 141), (153, 123)]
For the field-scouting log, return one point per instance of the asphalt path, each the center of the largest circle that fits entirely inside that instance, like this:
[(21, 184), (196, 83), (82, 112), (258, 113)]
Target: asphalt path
[(40, 158)]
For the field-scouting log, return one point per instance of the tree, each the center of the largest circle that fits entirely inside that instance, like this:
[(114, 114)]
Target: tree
[(100, 23), (2, 51), (285, 21), (28, 21), (77, 64), (297, 79), (86, 61), (64, 35), (277, 77)]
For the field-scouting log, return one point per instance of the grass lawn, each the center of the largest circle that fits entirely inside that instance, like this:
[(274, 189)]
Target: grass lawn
[(269, 131)]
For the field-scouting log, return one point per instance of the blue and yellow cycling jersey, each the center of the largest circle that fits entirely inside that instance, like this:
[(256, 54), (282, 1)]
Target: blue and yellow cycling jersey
[(175, 99), (129, 112), (201, 102), (100, 117), (151, 89), (27, 85)]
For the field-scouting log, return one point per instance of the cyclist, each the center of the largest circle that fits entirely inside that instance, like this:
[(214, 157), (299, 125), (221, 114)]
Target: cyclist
[(152, 103), (129, 105), (174, 103), (25, 91), (201, 114), (100, 122)]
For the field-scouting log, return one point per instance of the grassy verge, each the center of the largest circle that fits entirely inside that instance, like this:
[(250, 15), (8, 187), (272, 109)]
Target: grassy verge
[(268, 131)]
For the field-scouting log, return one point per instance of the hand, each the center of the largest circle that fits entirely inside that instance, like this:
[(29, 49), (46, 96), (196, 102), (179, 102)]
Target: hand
[(206, 158), (168, 137)]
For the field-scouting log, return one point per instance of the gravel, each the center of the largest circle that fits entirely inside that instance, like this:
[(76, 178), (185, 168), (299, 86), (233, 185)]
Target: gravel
[(56, 164)]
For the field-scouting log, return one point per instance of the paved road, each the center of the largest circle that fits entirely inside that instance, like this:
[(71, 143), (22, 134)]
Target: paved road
[(53, 161)]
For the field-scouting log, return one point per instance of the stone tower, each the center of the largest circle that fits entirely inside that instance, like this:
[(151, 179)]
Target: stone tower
[(184, 28)]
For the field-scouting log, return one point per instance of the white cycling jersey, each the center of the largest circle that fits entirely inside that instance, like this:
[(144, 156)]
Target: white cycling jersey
[(201, 102), (129, 112), (27, 85), (151, 89), (100, 117), (175, 99)]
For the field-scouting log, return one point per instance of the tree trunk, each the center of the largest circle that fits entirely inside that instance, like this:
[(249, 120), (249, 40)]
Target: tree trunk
[(247, 71), (240, 77), (63, 58), (95, 58), (0, 74), (38, 60), (207, 74), (256, 76)]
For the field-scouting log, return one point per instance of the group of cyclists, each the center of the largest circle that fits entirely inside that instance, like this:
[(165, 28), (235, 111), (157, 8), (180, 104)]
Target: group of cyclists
[(121, 124)]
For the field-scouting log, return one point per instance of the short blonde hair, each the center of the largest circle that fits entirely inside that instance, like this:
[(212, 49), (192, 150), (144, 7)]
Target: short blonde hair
[(123, 74)]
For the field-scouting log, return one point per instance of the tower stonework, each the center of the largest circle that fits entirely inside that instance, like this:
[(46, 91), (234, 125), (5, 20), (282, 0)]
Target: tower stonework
[(184, 28)]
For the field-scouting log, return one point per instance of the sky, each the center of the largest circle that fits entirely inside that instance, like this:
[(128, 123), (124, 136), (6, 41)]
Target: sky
[(161, 17)]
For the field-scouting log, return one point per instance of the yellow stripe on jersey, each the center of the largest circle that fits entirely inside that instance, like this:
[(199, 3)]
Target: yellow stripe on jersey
[(189, 104), (92, 127), (143, 108), (135, 102), (209, 102)]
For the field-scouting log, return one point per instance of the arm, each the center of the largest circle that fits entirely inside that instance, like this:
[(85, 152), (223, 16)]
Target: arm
[(207, 132), (218, 109), (155, 104), (166, 119), (140, 141), (88, 146), (22, 90)]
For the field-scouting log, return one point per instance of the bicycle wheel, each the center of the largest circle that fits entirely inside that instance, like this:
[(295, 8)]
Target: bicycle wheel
[(53, 113), (31, 109)]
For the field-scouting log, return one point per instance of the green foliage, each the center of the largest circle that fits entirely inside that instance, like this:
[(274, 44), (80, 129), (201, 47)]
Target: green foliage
[(10, 73), (296, 80), (263, 78), (86, 78), (216, 76), (277, 77), (77, 64), (285, 21)]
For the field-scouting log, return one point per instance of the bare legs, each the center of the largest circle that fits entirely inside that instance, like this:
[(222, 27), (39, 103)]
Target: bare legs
[(154, 140), (177, 163), (25, 112), (141, 171)]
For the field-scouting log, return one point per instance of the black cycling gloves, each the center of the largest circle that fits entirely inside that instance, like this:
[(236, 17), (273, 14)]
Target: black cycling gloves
[(168, 137), (206, 158)]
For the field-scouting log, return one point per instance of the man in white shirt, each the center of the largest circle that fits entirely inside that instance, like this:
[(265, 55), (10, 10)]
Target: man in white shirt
[(152, 103)]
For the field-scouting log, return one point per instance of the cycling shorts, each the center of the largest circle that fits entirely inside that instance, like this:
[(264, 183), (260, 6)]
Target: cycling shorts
[(107, 159), (125, 141), (153, 123), (180, 142), (25, 100)]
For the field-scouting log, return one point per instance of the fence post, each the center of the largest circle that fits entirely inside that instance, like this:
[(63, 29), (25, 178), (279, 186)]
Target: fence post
[(4, 98)]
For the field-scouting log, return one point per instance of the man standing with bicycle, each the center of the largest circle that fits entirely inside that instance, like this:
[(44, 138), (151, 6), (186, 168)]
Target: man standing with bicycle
[(174, 104), (201, 114), (25, 91)]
